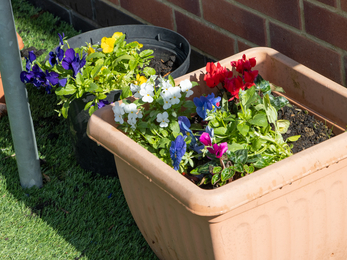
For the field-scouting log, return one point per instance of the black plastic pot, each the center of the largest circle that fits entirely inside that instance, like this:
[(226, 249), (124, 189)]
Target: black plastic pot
[(163, 42)]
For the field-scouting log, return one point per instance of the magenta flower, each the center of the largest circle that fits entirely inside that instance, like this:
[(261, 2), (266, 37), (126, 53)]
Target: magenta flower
[(218, 150), (205, 139)]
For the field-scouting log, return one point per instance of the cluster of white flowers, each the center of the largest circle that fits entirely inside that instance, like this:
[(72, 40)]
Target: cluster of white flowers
[(170, 94), (132, 113)]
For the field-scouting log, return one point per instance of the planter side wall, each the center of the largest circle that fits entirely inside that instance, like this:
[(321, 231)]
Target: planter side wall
[(293, 209), (167, 226)]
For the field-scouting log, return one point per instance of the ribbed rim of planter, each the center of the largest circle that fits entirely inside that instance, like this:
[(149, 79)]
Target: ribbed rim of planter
[(265, 181)]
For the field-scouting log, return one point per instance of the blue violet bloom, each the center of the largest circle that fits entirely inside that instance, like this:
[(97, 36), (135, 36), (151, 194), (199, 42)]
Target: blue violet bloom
[(72, 61), (205, 103), (177, 150)]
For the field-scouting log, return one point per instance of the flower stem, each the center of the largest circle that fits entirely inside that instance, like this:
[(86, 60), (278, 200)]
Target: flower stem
[(222, 163)]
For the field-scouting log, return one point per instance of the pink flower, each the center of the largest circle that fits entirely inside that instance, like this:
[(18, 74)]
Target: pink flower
[(218, 150), (205, 139)]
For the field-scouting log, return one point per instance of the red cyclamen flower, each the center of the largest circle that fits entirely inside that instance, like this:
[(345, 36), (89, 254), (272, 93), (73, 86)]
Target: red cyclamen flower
[(216, 74), (243, 64), (233, 86)]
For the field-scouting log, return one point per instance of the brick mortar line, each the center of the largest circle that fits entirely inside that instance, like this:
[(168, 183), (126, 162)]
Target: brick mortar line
[(120, 8), (302, 16), (290, 28), (336, 9)]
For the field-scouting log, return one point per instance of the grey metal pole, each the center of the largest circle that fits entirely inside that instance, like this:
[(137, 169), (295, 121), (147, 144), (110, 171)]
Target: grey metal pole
[(18, 110)]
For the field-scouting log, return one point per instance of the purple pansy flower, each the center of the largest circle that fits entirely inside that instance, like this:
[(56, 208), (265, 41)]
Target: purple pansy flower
[(177, 150), (102, 103), (73, 62), (61, 37)]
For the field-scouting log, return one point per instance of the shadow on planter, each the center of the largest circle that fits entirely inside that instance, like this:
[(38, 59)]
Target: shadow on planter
[(163, 42), (293, 209)]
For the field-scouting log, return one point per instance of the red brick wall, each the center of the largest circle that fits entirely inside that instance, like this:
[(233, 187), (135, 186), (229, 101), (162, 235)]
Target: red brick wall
[(312, 32)]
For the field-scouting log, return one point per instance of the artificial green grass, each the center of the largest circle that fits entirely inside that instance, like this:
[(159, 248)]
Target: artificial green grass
[(75, 215)]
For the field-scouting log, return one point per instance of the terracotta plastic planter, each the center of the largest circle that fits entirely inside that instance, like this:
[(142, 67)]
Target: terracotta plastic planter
[(293, 209)]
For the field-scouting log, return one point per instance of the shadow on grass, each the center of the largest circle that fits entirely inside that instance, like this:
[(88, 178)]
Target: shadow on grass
[(88, 211)]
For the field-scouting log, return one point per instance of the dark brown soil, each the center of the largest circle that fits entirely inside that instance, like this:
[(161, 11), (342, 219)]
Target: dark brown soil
[(163, 67), (312, 131)]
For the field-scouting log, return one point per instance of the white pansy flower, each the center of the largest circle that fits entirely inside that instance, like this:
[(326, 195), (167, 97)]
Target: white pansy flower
[(175, 95), (139, 114), (135, 89), (118, 118), (132, 122), (165, 85), (186, 86), (167, 103), (147, 92), (118, 108), (162, 118), (131, 109)]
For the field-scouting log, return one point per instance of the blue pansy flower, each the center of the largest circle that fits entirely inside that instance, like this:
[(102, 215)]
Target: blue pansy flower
[(214, 100), (177, 150), (205, 103), (202, 104), (184, 124)]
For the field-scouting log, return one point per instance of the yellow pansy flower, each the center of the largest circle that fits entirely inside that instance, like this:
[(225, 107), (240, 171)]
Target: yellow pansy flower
[(139, 44), (90, 49), (116, 35), (140, 79), (107, 44)]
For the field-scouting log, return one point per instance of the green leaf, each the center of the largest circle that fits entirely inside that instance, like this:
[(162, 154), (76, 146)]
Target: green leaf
[(189, 104), (227, 173), (164, 143), (243, 128), (88, 105), (133, 64), (79, 79), (248, 168), (171, 80), (67, 90), (215, 178), (175, 127), (124, 57), (202, 169), (95, 55), (64, 109), (126, 92), (217, 169), (282, 126), (220, 131), (235, 146), (146, 53), (293, 138), (96, 70), (259, 119), (241, 156), (247, 97), (271, 112), (148, 71), (238, 167), (92, 87)]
